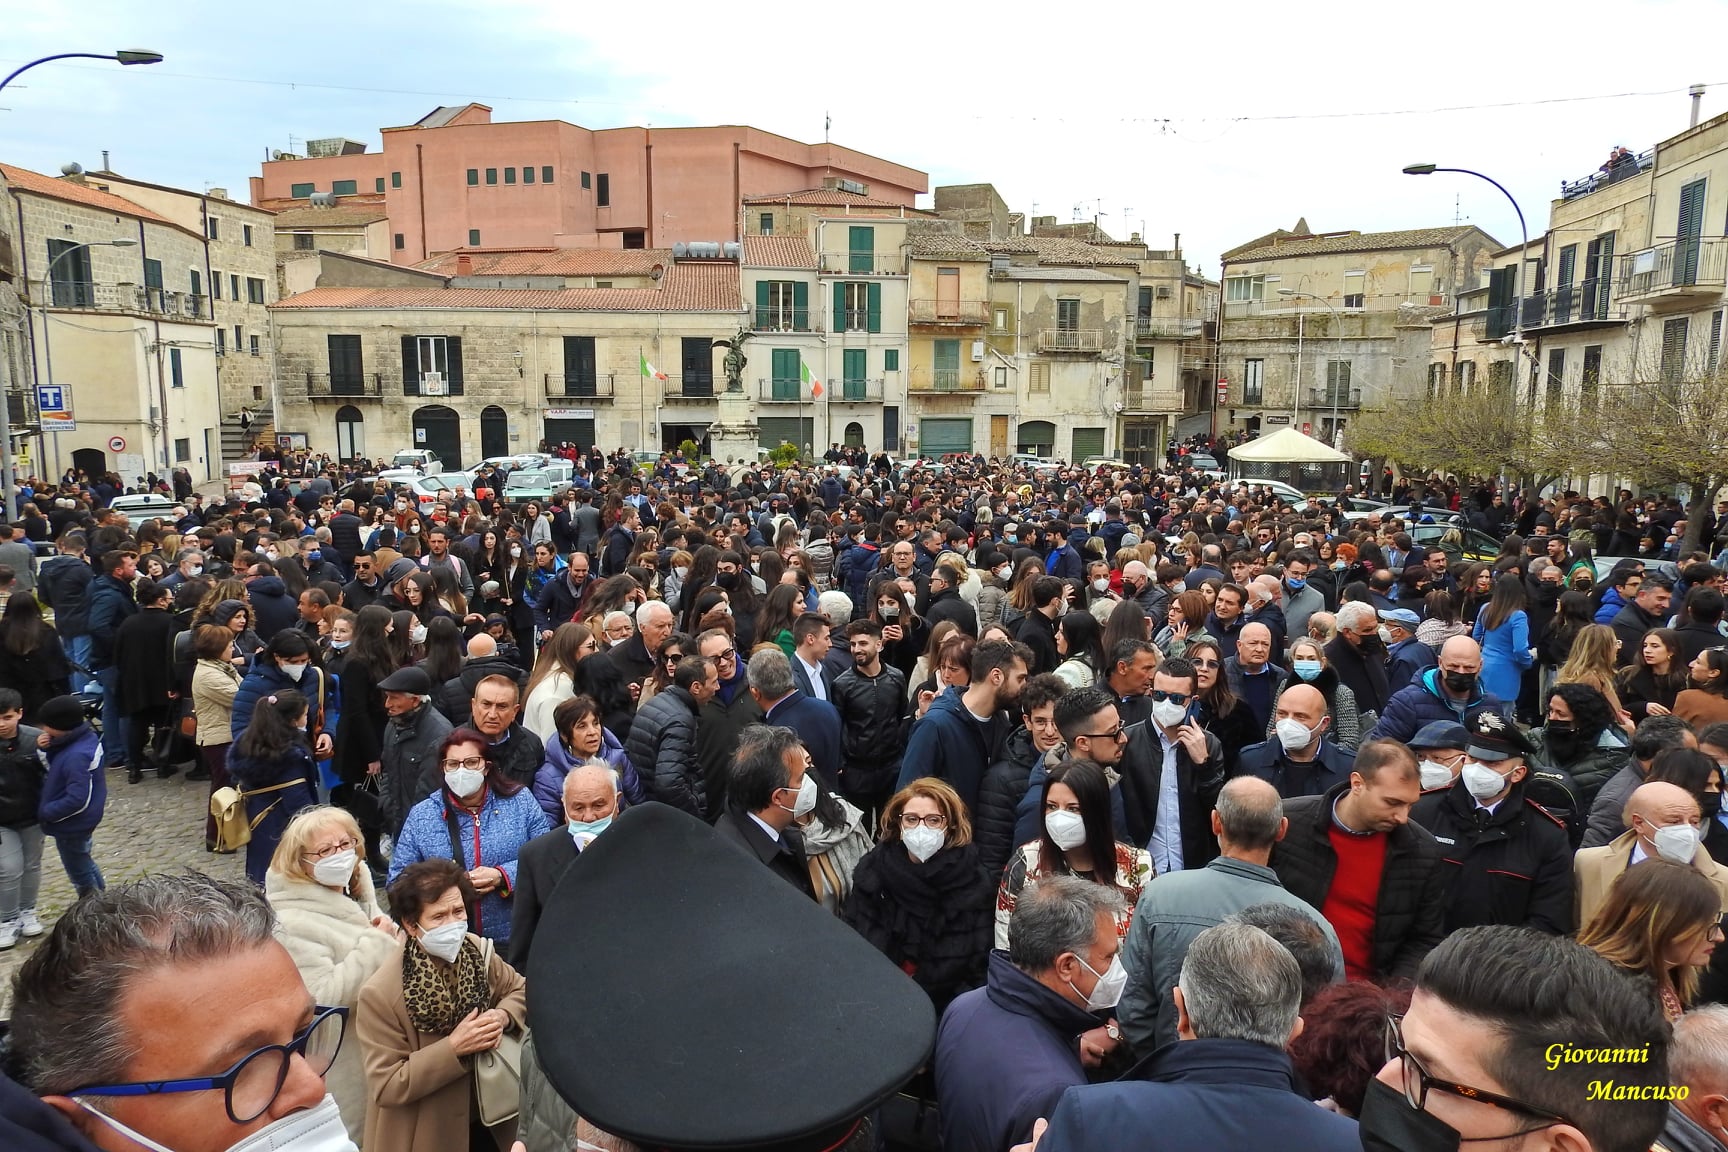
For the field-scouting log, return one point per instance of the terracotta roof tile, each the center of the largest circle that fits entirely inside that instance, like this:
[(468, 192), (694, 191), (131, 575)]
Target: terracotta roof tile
[(827, 198), (685, 288), (339, 216), (943, 243), (24, 180), (779, 252), (552, 261), (1355, 242)]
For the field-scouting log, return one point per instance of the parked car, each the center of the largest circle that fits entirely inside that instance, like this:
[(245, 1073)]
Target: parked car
[(1203, 461), (526, 484), (141, 507), (1478, 546), (423, 461), (1605, 565), (427, 489)]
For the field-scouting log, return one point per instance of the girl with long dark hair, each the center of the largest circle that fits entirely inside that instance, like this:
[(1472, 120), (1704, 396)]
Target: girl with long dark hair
[(32, 660), (271, 764)]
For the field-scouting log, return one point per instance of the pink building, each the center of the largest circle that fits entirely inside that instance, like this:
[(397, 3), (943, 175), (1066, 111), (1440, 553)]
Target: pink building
[(455, 179)]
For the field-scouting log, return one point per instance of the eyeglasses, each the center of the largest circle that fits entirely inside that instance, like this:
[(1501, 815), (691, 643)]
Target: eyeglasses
[(1118, 734), (252, 1085), (672, 657), (1417, 1082), (935, 820), (333, 849), (471, 762), (1159, 697), (728, 655), (1206, 664)]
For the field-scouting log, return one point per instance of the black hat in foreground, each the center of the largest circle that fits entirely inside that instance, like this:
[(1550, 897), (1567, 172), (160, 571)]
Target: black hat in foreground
[(410, 679), (683, 996), (1494, 738)]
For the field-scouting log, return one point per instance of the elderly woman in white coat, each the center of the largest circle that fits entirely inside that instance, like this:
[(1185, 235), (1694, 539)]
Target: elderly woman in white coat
[(327, 916)]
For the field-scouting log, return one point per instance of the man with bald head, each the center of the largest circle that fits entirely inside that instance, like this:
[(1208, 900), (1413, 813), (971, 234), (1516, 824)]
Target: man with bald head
[(1451, 692), (1266, 606), (455, 696), (1298, 760), (1661, 820), (590, 796), (1177, 906), (1251, 674)]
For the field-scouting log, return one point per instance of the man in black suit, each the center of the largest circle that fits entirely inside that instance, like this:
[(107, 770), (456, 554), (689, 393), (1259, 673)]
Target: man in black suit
[(810, 670), (590, 797), (772, 784), (816, 722)]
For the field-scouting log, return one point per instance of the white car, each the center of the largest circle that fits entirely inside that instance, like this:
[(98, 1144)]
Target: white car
[(427, 489), (142, 506), (424, 462)]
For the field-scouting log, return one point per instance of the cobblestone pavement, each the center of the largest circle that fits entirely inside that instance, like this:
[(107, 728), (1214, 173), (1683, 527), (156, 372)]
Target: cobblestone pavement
[(154, 826)]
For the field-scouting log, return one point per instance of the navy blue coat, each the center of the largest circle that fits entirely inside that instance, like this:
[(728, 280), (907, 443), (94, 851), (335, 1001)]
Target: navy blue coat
[(1422, 702), (1331, 765), (1004, 1054), (818, 726), (949, 745), (1200, 1096), (273, 610)]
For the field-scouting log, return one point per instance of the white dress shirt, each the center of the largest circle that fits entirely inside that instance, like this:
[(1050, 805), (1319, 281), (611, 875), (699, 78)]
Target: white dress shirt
[(1166, 846)]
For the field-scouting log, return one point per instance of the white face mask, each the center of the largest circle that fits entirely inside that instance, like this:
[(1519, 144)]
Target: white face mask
[(1677, 842), (806, 799), (464, 782), (1293, 734), (293, 671), (195, 570), (1101, 585), (1067, 829), (889, 611), (1004, 572), (516, 553), (1108, 991), (336, 871), (417, 633), (1434, 775), (1482, 781), (681, 571), (1168, 713), (445, 941), (414, 528), (1385, 634), (923, 843), (316, 1129)]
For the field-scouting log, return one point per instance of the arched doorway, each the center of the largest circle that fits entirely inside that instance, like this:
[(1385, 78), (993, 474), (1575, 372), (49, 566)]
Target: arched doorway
[(93, 462), (854, 435), (1036, 438), (439, 430), (494, 432), (350, 433)]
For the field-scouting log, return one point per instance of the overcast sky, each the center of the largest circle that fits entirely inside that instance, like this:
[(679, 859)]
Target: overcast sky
[(1218, 121)]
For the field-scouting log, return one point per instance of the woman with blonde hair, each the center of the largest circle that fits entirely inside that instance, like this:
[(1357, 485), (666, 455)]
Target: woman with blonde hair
[(970, 583), (1661, 921), (554, 677), (921, 895), (1591, 662), (328, 919)]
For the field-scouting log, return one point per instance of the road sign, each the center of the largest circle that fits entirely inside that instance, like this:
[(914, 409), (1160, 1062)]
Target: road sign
[(54, 406), (1223, 389), (116, 443)]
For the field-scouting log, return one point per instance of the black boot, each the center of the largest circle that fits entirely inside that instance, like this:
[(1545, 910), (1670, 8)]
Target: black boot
[(198, 773), (134, 774), (164, 770)]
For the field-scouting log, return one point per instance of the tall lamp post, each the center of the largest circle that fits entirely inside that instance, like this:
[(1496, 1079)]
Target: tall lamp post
[(125, 56), (1517, 274), (1338, 335)]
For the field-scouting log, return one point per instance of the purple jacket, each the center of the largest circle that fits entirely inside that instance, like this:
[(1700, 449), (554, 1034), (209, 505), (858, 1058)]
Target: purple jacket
[(549, 781)]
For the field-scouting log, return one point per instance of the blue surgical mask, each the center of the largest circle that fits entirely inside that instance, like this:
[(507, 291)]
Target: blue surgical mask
[(314, 556), (1306, 669), (1295, 585), (582, 831)]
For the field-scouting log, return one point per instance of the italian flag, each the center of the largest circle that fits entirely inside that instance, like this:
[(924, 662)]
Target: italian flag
[(815, 384), (649, 369)]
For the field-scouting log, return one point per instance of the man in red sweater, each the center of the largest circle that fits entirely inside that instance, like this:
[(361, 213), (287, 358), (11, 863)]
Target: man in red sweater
[(1354, 854)]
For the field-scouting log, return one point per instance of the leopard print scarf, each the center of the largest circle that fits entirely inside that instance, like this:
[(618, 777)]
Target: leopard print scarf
[(439, 995)]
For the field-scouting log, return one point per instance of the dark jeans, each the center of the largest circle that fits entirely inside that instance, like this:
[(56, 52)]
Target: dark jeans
[(80, 864), (138, 726), (113, 720)]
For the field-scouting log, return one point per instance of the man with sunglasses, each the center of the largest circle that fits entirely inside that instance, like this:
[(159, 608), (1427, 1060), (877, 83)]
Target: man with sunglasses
[(163, 1014), (1171, 771), (1478, 1057), (724, 716)]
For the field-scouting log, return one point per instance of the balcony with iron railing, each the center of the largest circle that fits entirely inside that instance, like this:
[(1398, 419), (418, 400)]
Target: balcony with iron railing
[(1197, 360), (1610, 173), (861, 264), (778, 319), (1679, 272), (965, 381), (791, 390), (676, 389), (1574, 306), (344, 385), (1328, 397), (948, 313), (87, 296), (579, 386), (1148, 399), (1079, 341), (1168, 327)]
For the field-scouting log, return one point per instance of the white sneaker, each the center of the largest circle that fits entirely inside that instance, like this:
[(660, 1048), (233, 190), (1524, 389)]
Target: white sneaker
[(28, 925), (8, 933)]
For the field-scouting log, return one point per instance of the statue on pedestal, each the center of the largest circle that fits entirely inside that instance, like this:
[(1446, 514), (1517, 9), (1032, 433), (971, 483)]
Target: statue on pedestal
[(735, 359)]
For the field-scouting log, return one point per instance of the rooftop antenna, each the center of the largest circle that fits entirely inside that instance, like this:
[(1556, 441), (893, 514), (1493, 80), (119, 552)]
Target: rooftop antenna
[(1457, 209), (827, 123)]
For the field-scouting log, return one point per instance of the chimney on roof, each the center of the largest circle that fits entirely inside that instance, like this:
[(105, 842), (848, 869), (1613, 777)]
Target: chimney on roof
[(217, 193), (464, 265)]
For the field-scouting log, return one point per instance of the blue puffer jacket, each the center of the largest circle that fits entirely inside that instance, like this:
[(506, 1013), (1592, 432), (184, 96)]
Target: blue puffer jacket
[(549, 781), (1612, 602), (76, 790), (505, 824), (1423, 702)]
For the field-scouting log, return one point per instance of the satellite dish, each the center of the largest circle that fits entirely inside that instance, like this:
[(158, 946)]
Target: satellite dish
[(72, 169), (275, 153), (657, 271)]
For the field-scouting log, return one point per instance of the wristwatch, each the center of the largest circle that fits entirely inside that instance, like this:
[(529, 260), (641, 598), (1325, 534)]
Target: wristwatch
[(1112, 1031)]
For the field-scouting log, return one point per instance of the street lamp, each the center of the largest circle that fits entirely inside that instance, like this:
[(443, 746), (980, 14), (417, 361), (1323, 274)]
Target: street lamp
[(1523, 250), (8, 478), (1338, 335), (124, 56)]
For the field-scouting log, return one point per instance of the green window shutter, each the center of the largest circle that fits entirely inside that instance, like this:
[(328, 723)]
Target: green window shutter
[(453, 353), (473, 237), (839, 306), (861, 248), (854, 364), (509, 175), (473, 176), (410, 367), (378, 184), (527, 173), (800, 306), (762, 289), (395, 179), (152, 273), (786, 372), (1087, 442), (891, 360), (545, 173), (491, 175), (301, 191), (873, 308), (344, 187)]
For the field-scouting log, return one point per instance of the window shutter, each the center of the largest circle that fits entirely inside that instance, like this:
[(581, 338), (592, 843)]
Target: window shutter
[(800, 306), (873, 308), (839, 289), (453, 345), (410, 367), (762, 289)]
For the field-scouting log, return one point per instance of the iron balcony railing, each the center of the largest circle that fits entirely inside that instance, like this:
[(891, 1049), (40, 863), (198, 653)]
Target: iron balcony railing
[(1686, 266), (338, 385), (1167, 327), (792, 390), (676, 389), (961, 380), (579, 386), (1324, 397), (1610, 173), (1083, 340), (87, 295), (1149, 399), (776, 319), (861, 264), (961, 313)]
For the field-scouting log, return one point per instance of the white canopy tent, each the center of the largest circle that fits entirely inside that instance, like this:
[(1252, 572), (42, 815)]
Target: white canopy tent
[(1287, 446)]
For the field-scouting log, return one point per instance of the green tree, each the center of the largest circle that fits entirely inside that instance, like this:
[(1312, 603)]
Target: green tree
[(785, 454)]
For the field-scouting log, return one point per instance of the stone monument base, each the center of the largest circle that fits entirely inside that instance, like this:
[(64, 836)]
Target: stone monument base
[(735, 437)]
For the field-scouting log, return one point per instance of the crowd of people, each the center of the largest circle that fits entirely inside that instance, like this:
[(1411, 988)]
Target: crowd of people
[(1191, 816)]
